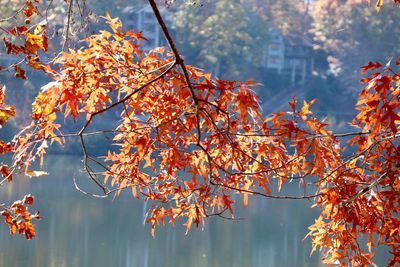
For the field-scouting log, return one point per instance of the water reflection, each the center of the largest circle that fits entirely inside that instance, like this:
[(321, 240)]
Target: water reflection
[(77, 230)]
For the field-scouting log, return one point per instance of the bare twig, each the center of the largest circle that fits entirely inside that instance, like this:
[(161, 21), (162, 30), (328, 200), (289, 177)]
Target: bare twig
[(71, 2), (13, 15), (263, 194)]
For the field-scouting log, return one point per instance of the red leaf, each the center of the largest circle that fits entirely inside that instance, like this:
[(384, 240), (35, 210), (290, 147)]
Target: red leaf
[(28, 199), (371, 66), (228, 203), (18, 30), (5, 171)]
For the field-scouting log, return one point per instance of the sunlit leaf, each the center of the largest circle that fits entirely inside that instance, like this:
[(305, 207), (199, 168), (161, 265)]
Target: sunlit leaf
[(31, 173)]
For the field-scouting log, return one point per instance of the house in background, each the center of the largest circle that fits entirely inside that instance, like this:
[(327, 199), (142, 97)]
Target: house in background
[(274, 53), (143, 20), (289, 57)]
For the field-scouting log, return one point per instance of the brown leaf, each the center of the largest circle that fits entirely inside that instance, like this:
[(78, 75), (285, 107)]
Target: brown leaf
[(5, 171)]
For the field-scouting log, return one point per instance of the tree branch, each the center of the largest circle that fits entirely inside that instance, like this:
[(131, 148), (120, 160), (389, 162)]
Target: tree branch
[(179, 61)]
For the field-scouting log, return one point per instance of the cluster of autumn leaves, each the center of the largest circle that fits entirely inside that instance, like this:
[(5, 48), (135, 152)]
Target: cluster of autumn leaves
[(19, 219), (27, 40), (188, 147), (20, 40), (360, 195), (17, 215)]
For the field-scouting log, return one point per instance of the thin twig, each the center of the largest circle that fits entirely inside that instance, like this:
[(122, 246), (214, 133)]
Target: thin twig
[(179, 61), (263, 194), (68, 24), (13, 15)]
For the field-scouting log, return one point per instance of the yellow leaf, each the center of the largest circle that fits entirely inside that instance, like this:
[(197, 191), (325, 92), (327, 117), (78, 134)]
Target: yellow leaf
[(378, 5), (42, 25), (6, 112), (379, 208), (31, 173)]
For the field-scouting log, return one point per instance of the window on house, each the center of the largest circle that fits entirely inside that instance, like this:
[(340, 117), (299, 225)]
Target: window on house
[(275, 37), (149, 16), (274, 47), (274, 61), (149, 28)]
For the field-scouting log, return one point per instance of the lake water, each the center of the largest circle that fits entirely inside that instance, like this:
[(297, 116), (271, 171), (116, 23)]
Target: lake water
[(78, 230)]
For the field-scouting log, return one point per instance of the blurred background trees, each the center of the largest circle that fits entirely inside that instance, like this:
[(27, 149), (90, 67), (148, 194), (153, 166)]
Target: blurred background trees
[(353, 33)]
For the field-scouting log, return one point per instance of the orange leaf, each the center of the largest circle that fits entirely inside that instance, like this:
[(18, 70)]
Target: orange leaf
[(305, 110), (29, 9), (6, 112), (35, 42)]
